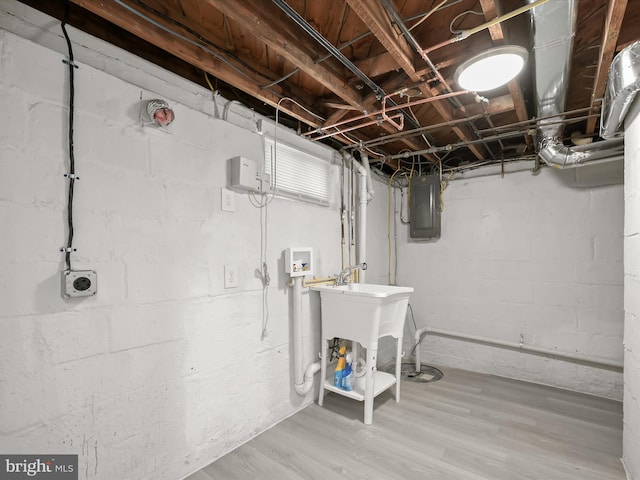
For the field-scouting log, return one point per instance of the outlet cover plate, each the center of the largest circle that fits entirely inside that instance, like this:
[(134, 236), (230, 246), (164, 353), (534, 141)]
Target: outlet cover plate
[(230, 276), (227, 200), (79, 283)]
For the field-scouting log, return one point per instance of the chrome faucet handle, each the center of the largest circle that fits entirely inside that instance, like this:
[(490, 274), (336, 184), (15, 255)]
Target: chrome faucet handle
[(345, 274)]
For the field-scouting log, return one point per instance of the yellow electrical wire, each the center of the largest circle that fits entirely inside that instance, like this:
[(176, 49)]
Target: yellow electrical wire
[(206, 77), (389, 221), (428, 14), (467, 33)]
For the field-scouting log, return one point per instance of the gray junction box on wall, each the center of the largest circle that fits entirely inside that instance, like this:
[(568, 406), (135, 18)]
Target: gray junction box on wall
[(79, 283)]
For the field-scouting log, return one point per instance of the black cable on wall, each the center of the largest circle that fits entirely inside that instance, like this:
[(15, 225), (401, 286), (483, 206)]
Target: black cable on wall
[(71, 175)]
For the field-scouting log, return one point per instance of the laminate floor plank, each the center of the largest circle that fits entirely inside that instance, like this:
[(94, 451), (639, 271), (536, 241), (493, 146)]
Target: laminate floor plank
[(466, 426)]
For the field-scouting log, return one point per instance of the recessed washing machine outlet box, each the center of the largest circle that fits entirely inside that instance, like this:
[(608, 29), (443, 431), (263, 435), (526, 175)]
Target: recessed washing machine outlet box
[(79, 283)]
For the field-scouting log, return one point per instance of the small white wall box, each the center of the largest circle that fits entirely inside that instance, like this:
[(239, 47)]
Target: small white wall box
[(298, 262), (79, 283), (247, 175)]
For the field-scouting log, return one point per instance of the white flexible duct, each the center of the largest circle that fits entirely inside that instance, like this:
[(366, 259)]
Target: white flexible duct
[(554, 26), (302, 381)]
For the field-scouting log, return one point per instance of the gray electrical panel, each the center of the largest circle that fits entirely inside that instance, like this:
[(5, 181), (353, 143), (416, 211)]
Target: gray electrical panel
[(424, 208)]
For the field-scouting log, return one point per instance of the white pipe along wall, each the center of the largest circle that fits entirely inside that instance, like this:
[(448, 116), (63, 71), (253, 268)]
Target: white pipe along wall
[(303, 381), (364, 196), (521, 346)]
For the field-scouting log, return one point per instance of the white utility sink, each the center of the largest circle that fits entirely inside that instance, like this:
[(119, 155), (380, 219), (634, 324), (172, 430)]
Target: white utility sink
[(363, 312)]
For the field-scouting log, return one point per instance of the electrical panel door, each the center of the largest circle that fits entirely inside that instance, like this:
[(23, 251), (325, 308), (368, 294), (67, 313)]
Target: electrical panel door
[(424, 207)]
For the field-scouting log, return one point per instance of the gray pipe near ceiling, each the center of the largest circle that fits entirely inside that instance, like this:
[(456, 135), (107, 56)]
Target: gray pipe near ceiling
[(553, 31)]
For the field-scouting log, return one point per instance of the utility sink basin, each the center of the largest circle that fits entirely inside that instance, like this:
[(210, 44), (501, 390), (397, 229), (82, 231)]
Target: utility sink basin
[(362, 312), (363, 289)]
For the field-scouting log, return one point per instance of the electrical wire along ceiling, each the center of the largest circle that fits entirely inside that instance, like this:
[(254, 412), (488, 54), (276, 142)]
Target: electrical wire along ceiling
[(381, 76)]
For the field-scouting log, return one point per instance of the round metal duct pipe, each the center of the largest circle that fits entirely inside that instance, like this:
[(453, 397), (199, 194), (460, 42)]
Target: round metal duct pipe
[(553, 31), (623, 85)]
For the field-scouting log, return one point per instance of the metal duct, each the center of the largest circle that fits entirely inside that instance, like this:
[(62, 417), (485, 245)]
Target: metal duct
[(553, 31), (622, 87)]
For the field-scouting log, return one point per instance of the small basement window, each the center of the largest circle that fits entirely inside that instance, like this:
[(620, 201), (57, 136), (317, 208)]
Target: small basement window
[(297, 174)]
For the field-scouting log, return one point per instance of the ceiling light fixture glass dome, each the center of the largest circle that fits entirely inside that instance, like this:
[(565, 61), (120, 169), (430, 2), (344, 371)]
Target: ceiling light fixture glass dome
[(491, 69)]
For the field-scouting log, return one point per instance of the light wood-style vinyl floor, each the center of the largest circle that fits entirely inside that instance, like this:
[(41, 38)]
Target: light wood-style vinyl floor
[(466, 426)]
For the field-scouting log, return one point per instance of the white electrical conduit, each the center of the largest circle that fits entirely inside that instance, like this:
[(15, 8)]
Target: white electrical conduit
[(599, 363), (303, 381)]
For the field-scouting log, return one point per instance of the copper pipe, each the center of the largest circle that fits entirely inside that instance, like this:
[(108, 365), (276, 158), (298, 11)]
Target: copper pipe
[(525, 126), (418, 131), (395, 107), (400, 125), (362, 125)]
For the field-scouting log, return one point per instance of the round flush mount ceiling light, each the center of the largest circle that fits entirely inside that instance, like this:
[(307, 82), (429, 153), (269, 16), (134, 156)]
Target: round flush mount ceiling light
[(491, 69)]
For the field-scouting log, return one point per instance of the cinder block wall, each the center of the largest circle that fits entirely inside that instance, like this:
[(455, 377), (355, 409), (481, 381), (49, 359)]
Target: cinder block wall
[(631, 440), (165, 369), (526, 256)]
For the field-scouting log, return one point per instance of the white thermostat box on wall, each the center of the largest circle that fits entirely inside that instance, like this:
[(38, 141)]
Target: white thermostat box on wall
[(298, 261), (245, 174)]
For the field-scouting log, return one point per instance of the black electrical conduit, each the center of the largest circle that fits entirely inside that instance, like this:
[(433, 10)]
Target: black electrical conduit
[(71, 175), (352, 41), (338, 55)]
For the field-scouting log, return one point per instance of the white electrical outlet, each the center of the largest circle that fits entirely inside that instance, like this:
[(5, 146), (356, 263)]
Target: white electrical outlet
[(230, 276), (227, 200), (79, 283)]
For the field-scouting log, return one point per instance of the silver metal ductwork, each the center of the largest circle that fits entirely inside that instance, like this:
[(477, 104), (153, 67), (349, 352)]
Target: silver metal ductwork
[(553, 31), (623, 85)]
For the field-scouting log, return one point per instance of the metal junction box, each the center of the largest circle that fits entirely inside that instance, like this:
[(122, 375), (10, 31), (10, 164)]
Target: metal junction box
[(425, 207)]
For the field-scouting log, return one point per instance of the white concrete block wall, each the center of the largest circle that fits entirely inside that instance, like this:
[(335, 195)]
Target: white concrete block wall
[(164, 370), (523, 255), (631, 432)]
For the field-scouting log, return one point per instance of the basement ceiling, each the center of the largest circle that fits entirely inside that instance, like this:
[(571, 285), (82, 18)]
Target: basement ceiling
[(368, 75)]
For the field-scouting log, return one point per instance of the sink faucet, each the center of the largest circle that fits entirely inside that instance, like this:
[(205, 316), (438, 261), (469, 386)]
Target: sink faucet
[(345, 275)]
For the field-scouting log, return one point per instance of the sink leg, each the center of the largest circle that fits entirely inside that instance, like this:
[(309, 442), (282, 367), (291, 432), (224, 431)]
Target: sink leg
[(323, 370), (355, 350), (369, 385), (398, 366)]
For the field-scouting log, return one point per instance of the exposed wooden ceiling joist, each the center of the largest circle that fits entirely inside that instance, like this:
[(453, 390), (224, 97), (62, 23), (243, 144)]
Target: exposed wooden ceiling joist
[(261, 18), (237, 75), (338, 59), (374, 16)]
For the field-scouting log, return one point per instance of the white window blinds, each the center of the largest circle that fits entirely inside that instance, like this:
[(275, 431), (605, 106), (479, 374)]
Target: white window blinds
[(297, 174)]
